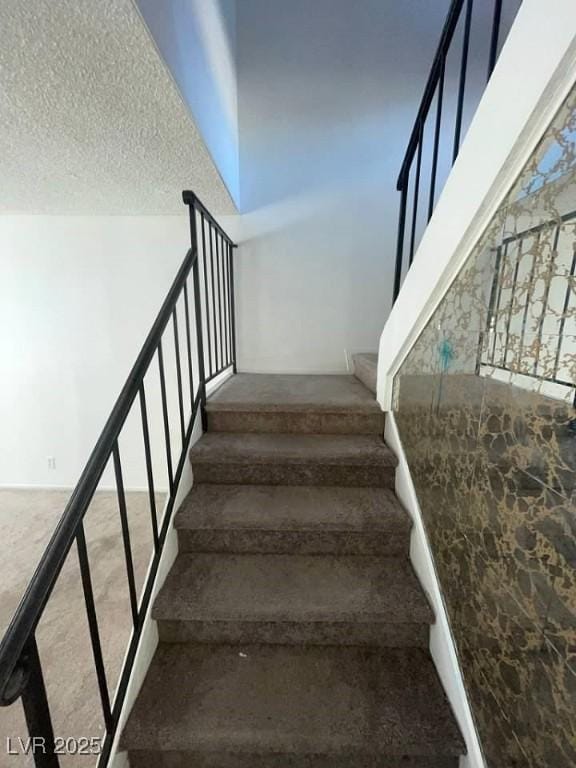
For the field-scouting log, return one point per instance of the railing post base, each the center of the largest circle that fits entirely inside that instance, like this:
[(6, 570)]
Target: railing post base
[(203, 413), (37, 712)]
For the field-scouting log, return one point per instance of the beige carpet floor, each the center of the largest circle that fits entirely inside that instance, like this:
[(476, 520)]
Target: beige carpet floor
[(27, 519)]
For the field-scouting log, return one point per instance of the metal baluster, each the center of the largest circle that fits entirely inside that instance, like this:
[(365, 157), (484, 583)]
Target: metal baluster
[(228, 258), (400, 242), (213, 302), (567, 296), (528, 300), (218, 266), (494, 38), (436, 138), (511, 305), (149, 472), (490, 308), (199, 342), (232, 310), (223, 299), (546, 296), (416, 192), (501, 264), (93, 626), (188, 343), (165, 417), (225, 304), (37, 710), (178, 375), (462, 85), (125, 533), (205, 272)]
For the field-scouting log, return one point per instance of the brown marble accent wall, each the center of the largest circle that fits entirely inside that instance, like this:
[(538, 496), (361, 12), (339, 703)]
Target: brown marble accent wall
[(484, 404)]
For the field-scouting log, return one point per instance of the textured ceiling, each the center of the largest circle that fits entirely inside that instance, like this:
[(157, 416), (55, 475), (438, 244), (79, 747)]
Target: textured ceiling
[(90, 119)]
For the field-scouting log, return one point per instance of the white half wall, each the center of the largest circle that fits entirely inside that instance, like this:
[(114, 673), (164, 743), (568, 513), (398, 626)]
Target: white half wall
[(442, 646), (78, 296), (535, 71)]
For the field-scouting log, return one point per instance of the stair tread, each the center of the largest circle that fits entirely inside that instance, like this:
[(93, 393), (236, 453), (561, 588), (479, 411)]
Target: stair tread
[(368, 358), (292, 392), (294, 449), (292, 508), (292, 589), (267, 700)]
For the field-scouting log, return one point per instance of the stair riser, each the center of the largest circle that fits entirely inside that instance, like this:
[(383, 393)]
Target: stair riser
[(290, 474), (294, 422), (295, 542), (295, 633), (367, 375), (146, 759)]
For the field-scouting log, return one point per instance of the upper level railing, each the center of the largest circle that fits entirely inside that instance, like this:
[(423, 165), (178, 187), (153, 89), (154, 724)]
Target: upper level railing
[(532, 293), (207, 276), (439, 132)]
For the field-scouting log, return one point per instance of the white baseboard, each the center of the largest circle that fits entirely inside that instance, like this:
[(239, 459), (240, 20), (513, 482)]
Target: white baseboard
[(70, 488), (442, 646), (217, 381), (296, 371)]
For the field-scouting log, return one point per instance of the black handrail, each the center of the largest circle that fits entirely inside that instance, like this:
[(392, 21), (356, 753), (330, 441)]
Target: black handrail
[(20, 670), (433, 78), (435, 85)]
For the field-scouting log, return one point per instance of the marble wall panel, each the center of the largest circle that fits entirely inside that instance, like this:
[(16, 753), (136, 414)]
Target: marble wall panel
[(484, 404)]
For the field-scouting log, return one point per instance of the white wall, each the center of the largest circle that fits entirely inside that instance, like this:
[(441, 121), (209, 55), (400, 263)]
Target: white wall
[(327, 96), (511, 118), (197, 40), (77, 297), (328, 93)]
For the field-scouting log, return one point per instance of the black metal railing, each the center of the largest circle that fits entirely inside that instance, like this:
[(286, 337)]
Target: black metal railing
[(207, 276), (529, 267), (218, 299), (463, 27)]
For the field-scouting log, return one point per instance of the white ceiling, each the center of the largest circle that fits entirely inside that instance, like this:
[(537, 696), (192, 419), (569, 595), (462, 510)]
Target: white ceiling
[(90, 120)]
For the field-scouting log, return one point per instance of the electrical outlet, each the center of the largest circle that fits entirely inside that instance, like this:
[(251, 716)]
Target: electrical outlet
[(51, 462)]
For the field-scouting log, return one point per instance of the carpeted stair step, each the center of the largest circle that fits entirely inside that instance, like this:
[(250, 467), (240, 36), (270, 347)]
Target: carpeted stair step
[(293, 631), (293, 459), (292, 599), (290, 707), (293, 520), (366, 369), (294, 404)]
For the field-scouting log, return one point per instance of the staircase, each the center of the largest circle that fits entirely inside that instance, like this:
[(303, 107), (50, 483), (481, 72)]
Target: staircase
[(293, 632)]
